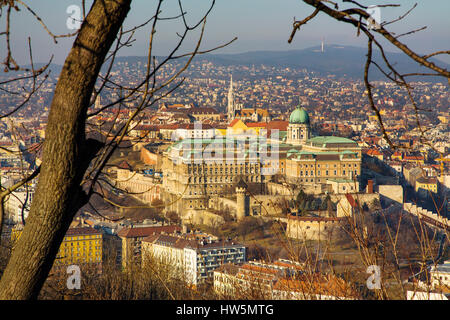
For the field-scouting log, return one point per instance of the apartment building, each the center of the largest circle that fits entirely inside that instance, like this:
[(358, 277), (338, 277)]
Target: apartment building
[(279, 280), (193, 259), (440, 275), (82, 246), (132, 240)]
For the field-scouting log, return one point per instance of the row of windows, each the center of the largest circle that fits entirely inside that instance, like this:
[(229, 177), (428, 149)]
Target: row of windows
[(77, 259), (226, 171), (219, 179), (221, 165), (326, 173), (91, 249), (349, 165), (80, 243), (69, 238)]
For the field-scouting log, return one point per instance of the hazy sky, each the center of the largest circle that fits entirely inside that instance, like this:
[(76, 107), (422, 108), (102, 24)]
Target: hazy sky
[(258, 24)]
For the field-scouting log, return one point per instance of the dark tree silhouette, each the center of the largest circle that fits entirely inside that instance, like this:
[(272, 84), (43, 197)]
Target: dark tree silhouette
[(74, 157)]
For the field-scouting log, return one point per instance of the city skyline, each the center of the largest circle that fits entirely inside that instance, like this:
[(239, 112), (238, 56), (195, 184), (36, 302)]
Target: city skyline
[(316, 170)]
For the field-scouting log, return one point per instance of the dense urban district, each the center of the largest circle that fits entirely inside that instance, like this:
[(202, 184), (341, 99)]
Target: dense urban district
[(253, 181)]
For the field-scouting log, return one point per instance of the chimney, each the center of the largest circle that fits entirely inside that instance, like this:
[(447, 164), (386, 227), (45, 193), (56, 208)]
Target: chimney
[(370, 186)]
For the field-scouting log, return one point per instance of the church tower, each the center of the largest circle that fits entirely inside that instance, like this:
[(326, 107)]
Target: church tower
[(230, 108), (298, 129), (98, 103)]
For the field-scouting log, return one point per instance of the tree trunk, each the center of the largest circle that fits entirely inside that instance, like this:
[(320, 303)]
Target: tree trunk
[(67, 154)]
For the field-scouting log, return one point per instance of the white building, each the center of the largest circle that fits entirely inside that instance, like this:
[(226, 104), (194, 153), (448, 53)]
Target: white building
[(279, 280), (17, 204), (195, 130), (195, 259), (440, 275), (343, 186), (424, 295)]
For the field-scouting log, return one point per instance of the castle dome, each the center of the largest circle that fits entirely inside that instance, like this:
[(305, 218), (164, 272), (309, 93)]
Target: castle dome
[(299, 115)]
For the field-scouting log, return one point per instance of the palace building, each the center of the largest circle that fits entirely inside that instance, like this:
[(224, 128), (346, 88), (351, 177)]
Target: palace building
[(199, 170), (315, 160)]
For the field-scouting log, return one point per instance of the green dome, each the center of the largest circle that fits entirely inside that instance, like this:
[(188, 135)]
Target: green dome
[(299, 115)]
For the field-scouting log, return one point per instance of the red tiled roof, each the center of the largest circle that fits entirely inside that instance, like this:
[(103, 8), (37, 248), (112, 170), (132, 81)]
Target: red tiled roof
[(427, 180), (191, 126), (146, 127), (169, 126), (175, 106), (176, 241), (146, 231), (413, 158), (256, 124), (259, 269), (82, 231), (202, 110), (124, 165), (318, 284), (374, 152), (278, 125), (232, 123)]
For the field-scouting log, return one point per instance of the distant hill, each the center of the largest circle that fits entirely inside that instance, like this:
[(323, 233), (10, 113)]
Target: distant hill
[(339, 60), (342, 61)]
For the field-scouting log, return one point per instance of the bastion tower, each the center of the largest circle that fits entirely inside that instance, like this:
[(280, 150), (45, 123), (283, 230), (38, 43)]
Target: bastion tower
[(242, 205)]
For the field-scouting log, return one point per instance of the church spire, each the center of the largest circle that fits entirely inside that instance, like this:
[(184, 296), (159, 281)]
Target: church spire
[(230, 108)]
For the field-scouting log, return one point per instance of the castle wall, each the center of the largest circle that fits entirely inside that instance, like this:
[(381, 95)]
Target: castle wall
[(304, 228), (204, 217), (391, 192)]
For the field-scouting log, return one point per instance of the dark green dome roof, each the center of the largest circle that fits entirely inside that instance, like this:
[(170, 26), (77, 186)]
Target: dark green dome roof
[(299, 115)]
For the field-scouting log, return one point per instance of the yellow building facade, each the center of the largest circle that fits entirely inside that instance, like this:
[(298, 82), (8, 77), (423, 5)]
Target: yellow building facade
[(425, 184), (80, 246)]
